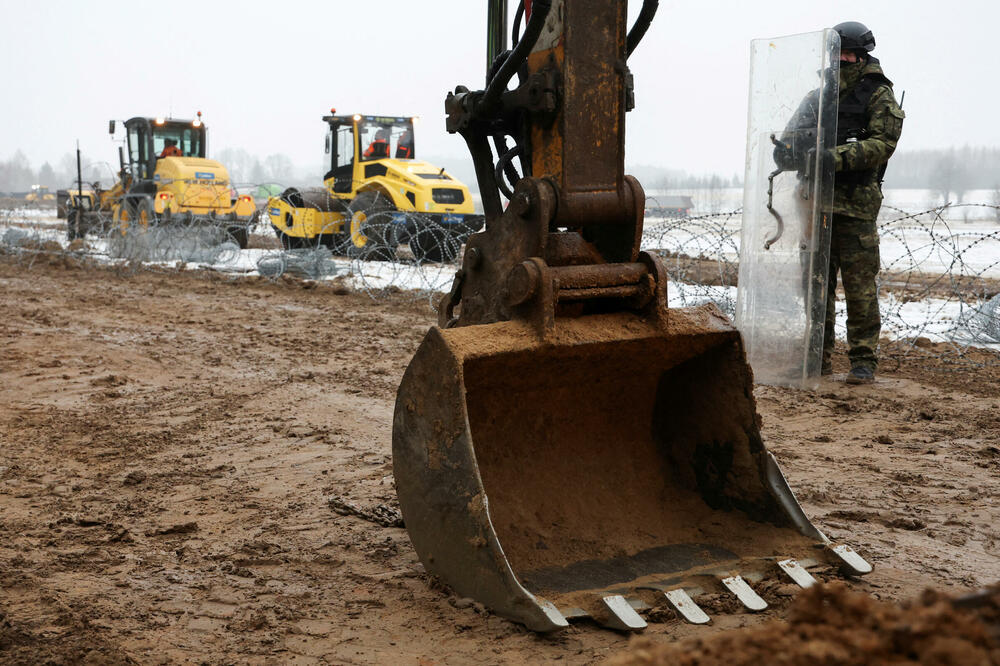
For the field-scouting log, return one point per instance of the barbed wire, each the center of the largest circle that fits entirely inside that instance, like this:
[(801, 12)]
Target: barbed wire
[(939, 286), (389, 250), (942, 288)]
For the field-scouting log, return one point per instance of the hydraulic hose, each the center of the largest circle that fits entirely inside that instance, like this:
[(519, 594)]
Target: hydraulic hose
[(518, 15), (505, 168), (641, 25), (496, 87)]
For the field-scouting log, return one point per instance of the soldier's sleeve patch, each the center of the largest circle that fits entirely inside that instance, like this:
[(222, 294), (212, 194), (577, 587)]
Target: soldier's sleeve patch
[(894, 125)]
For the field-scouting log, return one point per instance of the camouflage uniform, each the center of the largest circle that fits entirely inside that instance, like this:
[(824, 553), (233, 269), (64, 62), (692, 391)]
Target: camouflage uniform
[(854, 252), (854, 241)]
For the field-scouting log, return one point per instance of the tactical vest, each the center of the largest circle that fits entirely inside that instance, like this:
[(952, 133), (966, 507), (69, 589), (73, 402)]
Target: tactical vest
[(852, 122)]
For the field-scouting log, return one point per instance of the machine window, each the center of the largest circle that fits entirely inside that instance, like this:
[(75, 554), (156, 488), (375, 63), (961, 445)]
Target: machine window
[(345, 146), (133, 145), (381, 140), (137, 152), (185, 137)]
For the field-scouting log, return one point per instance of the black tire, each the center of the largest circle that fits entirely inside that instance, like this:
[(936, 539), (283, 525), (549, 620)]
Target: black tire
[(378, 226), (289, 242), (329, 241), (440, 248), (142, 213), (472, 224), (240, 235)]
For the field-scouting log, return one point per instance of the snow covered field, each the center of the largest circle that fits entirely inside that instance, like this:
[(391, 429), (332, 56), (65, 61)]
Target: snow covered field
[(915, 234), (34, 226), (927, 246)]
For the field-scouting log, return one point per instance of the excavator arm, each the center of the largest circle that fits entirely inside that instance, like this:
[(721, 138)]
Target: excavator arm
[(564, 445)]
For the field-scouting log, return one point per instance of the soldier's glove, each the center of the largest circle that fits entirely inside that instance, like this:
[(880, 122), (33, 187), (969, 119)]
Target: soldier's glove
[(784, 156), (827, 163)]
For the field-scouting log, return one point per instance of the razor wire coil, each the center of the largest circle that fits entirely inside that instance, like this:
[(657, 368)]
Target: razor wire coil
[(940, 284)]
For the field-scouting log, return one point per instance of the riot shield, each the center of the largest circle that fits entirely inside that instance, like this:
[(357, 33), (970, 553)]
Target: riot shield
[(785, 239)]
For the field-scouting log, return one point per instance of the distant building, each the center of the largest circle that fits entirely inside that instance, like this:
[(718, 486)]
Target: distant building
[(669, 205)]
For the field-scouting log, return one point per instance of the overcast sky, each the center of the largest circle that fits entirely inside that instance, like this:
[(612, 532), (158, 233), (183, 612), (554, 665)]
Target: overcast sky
[(263, 73)]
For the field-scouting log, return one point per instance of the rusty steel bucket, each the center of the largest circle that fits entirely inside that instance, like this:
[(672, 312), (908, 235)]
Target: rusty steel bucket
[(587, 472)]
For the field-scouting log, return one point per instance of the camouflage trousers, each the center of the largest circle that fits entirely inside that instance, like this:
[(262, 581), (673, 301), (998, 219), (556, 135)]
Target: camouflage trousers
[(854, 253)]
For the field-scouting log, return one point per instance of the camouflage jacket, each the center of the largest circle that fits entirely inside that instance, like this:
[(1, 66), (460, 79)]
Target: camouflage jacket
[(866, 154), (885, 124)]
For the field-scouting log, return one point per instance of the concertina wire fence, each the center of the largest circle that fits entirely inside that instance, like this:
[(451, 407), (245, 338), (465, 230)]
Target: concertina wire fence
[(940, 279)]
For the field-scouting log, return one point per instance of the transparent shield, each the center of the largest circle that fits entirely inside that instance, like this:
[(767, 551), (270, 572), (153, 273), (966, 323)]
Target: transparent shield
[(788, 193)]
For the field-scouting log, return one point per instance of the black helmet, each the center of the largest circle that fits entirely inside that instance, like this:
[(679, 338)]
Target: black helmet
[(855, 36)]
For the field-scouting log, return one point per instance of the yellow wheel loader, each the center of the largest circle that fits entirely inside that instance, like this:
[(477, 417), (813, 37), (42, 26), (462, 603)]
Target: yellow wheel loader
[(164, 179), (564, 444), (376, 197), (40, 195)]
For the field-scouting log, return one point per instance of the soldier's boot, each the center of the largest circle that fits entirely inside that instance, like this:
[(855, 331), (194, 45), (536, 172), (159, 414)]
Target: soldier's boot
[(860, 374)]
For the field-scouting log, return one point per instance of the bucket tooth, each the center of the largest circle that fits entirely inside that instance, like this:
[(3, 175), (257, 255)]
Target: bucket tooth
[(552, 614), (849, 560), (686, 606), (795, 571), (619, 614), (750, 599)]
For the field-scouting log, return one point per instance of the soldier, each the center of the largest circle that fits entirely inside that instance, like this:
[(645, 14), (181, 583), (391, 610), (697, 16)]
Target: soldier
[(869, 123)]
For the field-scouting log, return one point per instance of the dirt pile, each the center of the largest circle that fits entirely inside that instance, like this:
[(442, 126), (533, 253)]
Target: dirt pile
[(830, 624)]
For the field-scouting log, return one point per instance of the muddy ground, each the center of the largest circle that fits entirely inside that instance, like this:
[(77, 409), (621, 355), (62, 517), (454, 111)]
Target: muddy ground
[(170, 443)]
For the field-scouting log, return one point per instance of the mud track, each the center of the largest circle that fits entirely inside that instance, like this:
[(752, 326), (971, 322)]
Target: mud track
[(193, 468)]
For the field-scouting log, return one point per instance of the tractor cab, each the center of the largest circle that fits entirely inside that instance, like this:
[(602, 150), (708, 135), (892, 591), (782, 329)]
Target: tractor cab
[(166, 170), (149, 138), (355, 145)]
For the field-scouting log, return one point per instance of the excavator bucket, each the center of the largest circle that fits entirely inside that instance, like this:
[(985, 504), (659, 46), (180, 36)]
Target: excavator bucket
[(564, 445), (612, 461)]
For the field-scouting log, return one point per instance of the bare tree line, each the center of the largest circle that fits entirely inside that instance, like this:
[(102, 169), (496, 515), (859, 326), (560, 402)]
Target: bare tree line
[(949, 172), (17, 174)]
